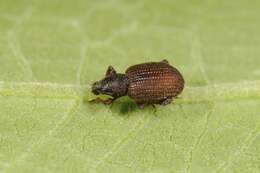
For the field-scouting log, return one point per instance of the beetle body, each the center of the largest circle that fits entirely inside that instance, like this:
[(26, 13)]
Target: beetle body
[(146, 83)]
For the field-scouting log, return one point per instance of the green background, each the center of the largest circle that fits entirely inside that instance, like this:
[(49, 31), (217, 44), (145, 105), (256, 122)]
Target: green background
[(51, 51)]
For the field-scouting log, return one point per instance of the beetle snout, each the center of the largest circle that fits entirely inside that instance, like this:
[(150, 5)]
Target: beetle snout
[(96, 88)]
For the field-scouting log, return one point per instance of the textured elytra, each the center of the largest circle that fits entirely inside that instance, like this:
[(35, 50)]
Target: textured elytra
[(154, 82)]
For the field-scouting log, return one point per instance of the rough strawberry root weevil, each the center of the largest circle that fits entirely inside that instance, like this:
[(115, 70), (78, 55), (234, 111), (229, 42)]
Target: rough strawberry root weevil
[(147, 84)]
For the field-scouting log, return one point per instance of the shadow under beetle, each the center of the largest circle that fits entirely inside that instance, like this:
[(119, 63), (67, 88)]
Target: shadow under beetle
[(147, 84)]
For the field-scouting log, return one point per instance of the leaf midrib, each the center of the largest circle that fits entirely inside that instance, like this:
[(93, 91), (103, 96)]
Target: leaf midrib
[(212, 92)]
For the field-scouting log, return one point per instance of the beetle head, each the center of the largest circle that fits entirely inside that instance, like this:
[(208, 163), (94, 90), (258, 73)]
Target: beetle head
[(113, 84)]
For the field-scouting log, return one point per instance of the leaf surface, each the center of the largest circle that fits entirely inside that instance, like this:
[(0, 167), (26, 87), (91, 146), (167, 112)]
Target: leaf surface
[(52, 51)]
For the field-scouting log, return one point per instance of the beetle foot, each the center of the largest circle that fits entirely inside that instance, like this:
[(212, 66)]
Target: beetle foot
[(154, 109), (99, 100), (141, 105), (108, 101), (167, 101)]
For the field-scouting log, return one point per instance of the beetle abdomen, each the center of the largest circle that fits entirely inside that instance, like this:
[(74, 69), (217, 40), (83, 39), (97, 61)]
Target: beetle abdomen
[(154, 82)]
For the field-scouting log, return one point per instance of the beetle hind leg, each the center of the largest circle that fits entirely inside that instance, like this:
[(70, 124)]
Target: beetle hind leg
[(141, 105), (166, 101)]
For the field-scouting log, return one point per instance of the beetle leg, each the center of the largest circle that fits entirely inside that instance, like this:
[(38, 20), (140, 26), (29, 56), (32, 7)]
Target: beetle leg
[(154, 109), (96, 100), (166, 101), (141, 105), (108, 101)]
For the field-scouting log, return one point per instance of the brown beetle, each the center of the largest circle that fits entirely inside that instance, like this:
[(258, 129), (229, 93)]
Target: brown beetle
[(147, 83)]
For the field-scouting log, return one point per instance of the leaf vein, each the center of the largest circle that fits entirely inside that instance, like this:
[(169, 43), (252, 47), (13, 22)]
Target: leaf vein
[(248, 141), (44, 138), (196, 53), (14, 43), (140, 125), (212, 92), (200, 137)]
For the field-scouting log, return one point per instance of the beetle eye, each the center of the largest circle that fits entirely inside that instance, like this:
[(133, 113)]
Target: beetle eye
[(107, 88), (96, 88), (107, 91)]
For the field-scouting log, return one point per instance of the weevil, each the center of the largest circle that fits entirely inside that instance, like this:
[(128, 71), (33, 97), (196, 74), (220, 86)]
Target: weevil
[(147, 84)]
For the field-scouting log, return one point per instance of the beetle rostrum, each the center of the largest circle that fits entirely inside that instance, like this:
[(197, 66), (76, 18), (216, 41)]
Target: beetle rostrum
[(146, 83)]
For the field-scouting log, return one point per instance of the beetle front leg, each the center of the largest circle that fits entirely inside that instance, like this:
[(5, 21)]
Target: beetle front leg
[(108, 101)]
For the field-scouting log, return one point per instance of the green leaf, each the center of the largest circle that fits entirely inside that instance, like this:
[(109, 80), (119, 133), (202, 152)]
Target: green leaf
[(52, 51)]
